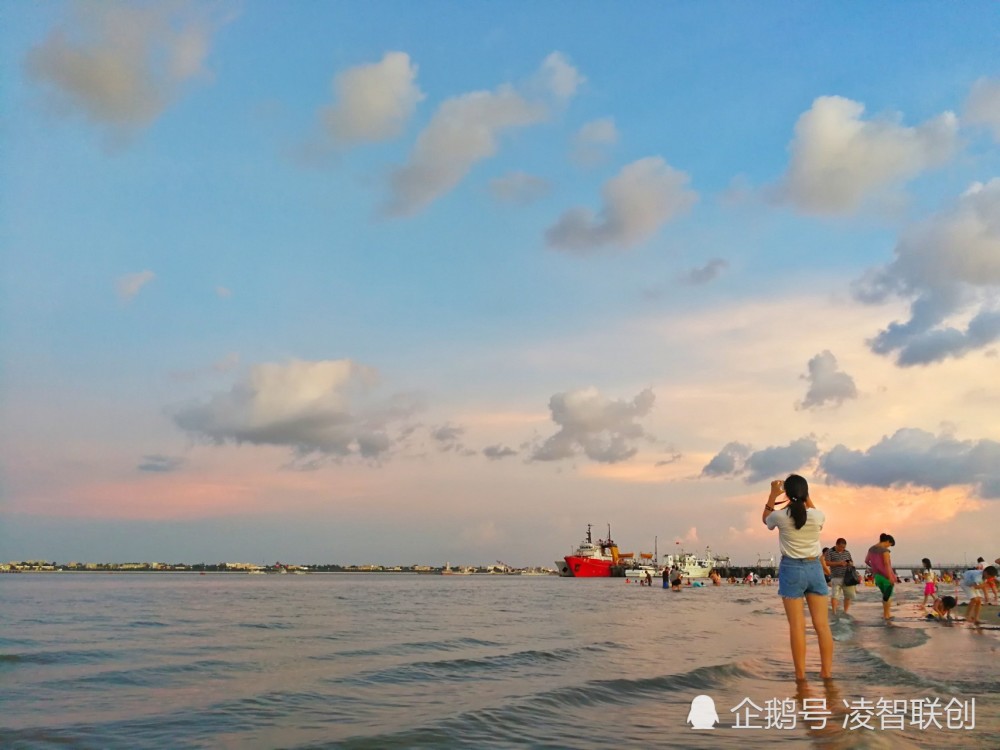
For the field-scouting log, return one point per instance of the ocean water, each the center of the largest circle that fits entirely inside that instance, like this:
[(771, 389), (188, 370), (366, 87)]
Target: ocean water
[(411, 661)]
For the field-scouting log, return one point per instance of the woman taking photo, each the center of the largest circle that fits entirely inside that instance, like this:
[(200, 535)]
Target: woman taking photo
[(800, 573)]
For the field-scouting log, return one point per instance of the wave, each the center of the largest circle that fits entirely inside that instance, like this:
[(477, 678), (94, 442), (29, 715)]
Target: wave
[(548, 719), (63, 657), (466, 668), (402, 649), (156, 676)]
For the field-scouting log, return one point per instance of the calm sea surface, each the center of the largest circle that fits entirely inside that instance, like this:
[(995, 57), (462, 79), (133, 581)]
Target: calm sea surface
[(410, 661)]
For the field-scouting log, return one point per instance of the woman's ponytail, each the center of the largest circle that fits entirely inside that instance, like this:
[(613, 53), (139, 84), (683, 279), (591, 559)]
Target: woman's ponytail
[(797, 490)]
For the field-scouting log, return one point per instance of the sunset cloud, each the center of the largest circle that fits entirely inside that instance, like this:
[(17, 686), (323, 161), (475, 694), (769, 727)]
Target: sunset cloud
[(706, 273), (558, 78), (318, 409), (946, 264), (640, 199), (465, 130), (593, 141), (122, 64), (496, 452), (602, 429), (519, 188), (917, 458), (839, 159), (738, 460), (373, 102), (827, 383), (983, 105), (160, 463)]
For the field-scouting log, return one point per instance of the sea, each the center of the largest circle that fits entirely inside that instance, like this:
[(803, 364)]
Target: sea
[(178, 660)]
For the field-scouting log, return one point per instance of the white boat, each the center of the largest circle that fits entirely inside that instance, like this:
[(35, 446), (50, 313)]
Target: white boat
[(646, 563), (693, 566), (447, 570)]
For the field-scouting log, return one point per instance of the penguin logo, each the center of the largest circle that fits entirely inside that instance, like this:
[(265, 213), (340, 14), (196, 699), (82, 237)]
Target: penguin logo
[(702, 714)]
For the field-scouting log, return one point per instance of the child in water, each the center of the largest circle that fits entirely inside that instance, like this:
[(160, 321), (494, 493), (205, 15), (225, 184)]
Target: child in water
[(930, 581)]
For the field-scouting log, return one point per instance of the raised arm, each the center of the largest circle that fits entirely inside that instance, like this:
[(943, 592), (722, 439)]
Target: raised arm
[(776, 490)]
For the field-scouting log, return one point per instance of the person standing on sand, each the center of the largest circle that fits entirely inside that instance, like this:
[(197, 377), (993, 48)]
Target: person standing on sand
[(800, 573), (879, 560)]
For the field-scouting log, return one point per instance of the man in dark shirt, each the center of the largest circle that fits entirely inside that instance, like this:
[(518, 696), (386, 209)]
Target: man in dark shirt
[(838, 558)]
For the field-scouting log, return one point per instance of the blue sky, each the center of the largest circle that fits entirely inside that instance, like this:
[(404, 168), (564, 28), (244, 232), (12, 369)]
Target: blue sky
[(416, 282)]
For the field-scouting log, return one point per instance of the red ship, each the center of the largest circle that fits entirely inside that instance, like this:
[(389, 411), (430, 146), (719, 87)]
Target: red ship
[(592, 560)]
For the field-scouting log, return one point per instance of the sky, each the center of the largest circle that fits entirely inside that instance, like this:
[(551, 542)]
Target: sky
[(442, 282)]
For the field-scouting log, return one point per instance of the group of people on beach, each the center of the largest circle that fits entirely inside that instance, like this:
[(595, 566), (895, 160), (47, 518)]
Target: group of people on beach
[(808, 572)]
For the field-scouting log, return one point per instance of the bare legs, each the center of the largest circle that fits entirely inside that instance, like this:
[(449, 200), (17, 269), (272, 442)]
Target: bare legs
[(972, 612), (817, 610), (795, 612)]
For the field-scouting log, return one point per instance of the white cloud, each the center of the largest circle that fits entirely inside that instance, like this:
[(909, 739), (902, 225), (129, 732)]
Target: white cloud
[(223, 292), (559, 78), (121, 64), (983, 105), (602, 429), (464, 131), (592, 141), (827, 384), (130, 285), (321, 408), (838, 159), (373, 102), (642, 197), (917, 458), (946, 264), (519, 188)]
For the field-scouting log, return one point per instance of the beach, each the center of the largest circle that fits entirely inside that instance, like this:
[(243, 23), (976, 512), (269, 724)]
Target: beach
[(341, 661)]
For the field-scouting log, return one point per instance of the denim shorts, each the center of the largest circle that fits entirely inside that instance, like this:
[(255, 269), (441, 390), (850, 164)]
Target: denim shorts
[(796, 578)]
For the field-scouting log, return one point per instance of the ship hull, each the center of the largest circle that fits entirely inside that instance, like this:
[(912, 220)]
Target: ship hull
[(588, 567)]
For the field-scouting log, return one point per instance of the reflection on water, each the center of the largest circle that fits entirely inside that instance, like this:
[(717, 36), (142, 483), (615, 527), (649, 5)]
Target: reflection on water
[(409, 661)]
